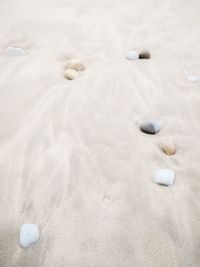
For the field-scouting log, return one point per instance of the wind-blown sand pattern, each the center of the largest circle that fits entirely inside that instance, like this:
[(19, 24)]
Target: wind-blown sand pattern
[(73, 160)]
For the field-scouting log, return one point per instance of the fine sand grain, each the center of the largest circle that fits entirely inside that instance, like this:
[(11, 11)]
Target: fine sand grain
[(72, 158)]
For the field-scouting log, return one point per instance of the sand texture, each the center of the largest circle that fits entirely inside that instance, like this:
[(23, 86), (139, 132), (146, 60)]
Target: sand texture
[(73, 160)]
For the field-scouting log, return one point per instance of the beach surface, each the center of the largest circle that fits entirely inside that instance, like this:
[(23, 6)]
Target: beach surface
[(73, 160)]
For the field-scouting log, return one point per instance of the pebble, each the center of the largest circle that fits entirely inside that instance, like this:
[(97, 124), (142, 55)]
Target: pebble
[(168, 149), (164, 177), (29, 235), (70, 74), (150, 127), (75, 65), (144, 55), (132, 55), (13, 51), (193, 78)]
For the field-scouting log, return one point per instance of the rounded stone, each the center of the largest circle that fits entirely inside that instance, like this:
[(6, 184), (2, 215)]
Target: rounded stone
[(13, 51), (150, 126), (168, 149), (132, 55), (164, 177), (193, 78), (29, 235), (144, 55), (75, 65), (70, 74)]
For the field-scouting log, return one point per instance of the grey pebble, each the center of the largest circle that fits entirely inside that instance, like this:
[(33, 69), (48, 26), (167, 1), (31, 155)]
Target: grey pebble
[(29, 235), (13, 51), (132, 55), (150, 126)]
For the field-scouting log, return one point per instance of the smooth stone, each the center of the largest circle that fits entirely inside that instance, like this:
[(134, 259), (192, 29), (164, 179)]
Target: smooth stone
[(13, 51), (193, 78), (132, 55), (70, 74), (164, 177), (75, 65), (150, 127), (29, 235), (168, 149), (144, 55)]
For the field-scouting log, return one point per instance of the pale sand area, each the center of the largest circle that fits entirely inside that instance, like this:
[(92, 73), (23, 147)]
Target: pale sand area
[(72, 159)]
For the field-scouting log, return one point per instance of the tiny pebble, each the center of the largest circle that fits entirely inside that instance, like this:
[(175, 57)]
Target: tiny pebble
[(168, 149), (13, 51), (144, 55), (164, 177), (132, 55), (75, 65), (150, 127), (70, 74), (29, 235), (193, 78)]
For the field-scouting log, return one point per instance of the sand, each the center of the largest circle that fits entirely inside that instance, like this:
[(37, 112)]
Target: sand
[(72, 158)]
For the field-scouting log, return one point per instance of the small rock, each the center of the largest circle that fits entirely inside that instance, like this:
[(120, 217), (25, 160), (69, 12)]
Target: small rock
[(132, 55), (75, 65), (193, 78), (144, 55), (29, 235), (70, 74), (150, 127), (13, 51), (164, 177), (168, 149)]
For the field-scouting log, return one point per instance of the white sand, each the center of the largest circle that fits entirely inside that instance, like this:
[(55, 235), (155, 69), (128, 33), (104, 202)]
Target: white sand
[(72, 159)]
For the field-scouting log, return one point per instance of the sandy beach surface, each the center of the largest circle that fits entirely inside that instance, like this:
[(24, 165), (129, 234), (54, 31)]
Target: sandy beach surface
[(72, 158)]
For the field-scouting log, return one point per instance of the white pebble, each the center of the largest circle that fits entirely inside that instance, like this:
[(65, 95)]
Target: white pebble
[(193, 78), (29, 235), (13, 51), (164, 177), (70, 74), (132, 55)]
